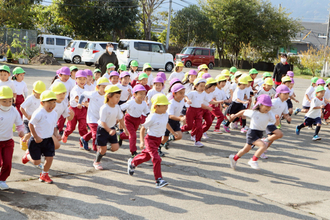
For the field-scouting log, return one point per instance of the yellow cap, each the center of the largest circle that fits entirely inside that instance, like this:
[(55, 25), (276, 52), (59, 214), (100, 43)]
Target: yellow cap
[(6, 92), (111, 89), (269, 81), (238, 73), (103, 81), (247, 76), (243, 80), (220, 78), (158, 99), (47, 95), (199, 80), (39, 86), (210, 80), (58, 88), (200, 74), (203, 66), (179, 64), (225, 72), (286, 79)]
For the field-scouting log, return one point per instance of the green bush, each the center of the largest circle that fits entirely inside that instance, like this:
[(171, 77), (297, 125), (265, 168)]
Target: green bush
[(9, 54)]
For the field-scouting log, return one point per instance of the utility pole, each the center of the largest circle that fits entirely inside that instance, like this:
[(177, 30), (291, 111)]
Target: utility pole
[(328, 26), (168, 25)]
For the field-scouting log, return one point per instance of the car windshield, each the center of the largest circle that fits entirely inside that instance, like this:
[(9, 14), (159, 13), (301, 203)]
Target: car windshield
[(90, 46), (123, 45), (187, 50), (69, 45)]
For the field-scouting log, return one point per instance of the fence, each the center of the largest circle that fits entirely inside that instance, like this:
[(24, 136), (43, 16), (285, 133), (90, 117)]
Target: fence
[(27, 38)]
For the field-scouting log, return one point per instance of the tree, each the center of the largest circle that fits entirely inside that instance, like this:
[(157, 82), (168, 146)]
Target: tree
[(313, 59), (148, 8)]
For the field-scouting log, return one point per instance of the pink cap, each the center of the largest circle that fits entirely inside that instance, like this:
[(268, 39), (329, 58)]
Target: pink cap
[(81, 73), (114, 73), (192, 72), (138, 88), (58, 72), (292, 81), (64, 71), (206, 75), (89, 72), (263, 100), (158, 80), (177, 88), (162, 74), (123, 74), (282, 89), (320, 81), (290, 73), (174, 80)]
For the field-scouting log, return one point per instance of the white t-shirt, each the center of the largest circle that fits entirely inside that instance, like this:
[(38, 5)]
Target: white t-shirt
[(95, 103), (72, 82), (30, 104), (279, 107), (314, 113), (308, 92), (150, 94), (238, 94), (76, 91), (150, 80), (175, 108), (90, 87), (271, 93), (21, 88), (8, 83), (124, 91), (259, 121), (219, 94), (189, 87), (327, 94), (107, 75), (134, 109), (227, 88), (7, 119), (44, 122), (110, 115), (61, 109), (208, 98), (196, 98), (177, 75), (233, 86), (133, 75), (156, 124)]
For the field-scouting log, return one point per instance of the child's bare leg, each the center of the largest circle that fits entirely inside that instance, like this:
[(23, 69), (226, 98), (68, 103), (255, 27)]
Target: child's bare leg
[(262, 148), (304, 110), (244, 150), (48, 163), (277, 134), (164, 139)]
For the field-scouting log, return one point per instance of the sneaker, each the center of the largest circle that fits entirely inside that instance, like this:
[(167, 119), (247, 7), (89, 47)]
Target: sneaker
[(166, 145), (64, 138), (134, 154), (232, 162), (97, 166), (61, 133), (263, 156), (85, 144), (324, 122), (254, 164), (236, 125), (3, 185), (217, 131), (120, 141), (199, 144), (232, 126), (24, 145), (130, 167), (161, 183), (226, 128), (223, 122), (45, 178), (40, 166), (193, 138), (171, 138), (316, 138), (205, 136), (297, 130), (81, 145), (161, 154), (25, 158), (243, 130), (297, 111)]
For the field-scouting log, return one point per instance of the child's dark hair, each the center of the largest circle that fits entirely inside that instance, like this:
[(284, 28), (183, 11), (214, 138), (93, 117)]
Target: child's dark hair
[(169, 89), (13, 77), (49, 100), (221, 81), (210, 85), (55, 77), (177, 68), (110, 95), (257, 108)]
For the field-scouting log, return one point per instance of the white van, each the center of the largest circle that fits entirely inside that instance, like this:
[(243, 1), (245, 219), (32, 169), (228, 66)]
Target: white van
[(74, 51), (53, 44), (93, 50), (144, 52)]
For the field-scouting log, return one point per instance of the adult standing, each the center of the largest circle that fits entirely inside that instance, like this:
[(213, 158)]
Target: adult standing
[(281, 69), (108, 57)]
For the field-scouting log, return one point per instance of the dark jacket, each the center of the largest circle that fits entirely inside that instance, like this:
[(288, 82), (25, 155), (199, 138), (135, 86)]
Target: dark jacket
[(104, 59), (280, 70)]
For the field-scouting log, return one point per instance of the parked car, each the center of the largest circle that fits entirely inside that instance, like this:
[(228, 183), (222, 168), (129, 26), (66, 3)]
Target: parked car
[(52, 44), (73, 51), (195, 56), (144, 52), (93, 50)]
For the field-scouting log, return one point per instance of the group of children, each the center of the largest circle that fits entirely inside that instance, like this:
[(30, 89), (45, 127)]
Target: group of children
[(110, 109)]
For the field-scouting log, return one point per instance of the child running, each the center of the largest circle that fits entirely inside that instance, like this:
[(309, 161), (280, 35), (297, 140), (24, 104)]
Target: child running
[(260, 116), (89, 83), (267, 88), (5, 81), (307, 97), (177, 72), (313, 116), (114, 78), (158, 85), (156, 125), (133, 71), (20, 87), (43, 129), (8, 116), (110, 112), (110, 67), (142, 80), (327, 101), (220, 95)]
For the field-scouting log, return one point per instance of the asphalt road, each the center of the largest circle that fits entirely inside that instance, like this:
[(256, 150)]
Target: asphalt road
[(292, 184)]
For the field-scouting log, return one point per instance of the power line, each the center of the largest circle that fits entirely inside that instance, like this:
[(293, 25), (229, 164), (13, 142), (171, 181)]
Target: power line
[(95, 6)]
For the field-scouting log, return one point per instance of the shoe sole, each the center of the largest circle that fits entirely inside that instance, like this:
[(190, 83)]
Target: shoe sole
[(128, 168), (256, 168), (231, 163), (158, 187), (317, 139), (43, 181)]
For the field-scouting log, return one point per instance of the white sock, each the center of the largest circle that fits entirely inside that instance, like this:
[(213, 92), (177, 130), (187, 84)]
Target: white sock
[(43, 172)]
